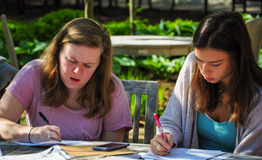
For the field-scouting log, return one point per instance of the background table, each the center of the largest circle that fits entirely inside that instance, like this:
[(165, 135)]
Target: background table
[(146, 45)]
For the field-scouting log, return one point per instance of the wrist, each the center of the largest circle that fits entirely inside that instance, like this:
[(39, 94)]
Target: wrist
[(29, 135)]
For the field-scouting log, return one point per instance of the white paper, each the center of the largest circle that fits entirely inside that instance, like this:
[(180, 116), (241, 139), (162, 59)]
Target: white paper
[(184, 154), (52, 143), (50, 153), (224, 156)]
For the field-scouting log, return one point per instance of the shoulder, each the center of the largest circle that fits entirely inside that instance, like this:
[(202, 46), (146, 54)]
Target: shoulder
[(190, 58), (34, 63), (188, 65), (32, 66), (116, 80), (30, 71), (119, 88)]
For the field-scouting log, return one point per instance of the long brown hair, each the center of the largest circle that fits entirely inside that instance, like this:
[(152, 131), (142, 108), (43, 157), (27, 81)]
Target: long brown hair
[(226, 31), (97, 93)]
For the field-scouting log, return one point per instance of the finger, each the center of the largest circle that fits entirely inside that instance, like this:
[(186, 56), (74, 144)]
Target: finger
[(163, 143), (56, 129), (153, 147), (170, 139), (53, 136), (159, 150)]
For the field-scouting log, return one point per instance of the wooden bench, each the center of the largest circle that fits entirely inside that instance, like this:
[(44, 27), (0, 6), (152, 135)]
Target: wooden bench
[(146, 45)]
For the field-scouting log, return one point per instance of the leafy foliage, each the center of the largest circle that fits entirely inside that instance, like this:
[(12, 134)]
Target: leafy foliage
[(31, 38), (52, 22)]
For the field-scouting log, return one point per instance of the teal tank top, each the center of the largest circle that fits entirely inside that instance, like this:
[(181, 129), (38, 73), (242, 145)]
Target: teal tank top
[(214, 135)]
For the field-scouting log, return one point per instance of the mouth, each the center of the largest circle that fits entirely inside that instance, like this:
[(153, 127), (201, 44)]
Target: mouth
[(74, 79), (208, 79)]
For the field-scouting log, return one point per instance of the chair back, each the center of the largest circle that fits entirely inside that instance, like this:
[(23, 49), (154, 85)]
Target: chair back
[(9, 43), (149, 88), (254, 28)]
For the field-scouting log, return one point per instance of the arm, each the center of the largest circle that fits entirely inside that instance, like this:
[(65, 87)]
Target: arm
[(114, 136), (178, 119), (249, 136), (10, 111)]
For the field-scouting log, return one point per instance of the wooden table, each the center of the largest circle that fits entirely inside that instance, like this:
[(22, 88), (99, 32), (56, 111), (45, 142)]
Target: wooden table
[(146, 45), (16, 149)]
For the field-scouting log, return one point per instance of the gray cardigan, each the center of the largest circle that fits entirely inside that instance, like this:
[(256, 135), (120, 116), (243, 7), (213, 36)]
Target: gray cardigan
[(7, 72), (179, 118)]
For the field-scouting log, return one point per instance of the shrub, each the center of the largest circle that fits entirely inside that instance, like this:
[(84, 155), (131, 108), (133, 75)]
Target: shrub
[(52, 22)]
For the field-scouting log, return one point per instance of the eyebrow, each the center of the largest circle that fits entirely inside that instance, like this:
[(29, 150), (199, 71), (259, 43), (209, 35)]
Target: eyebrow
[(210, 61), (84, 63)]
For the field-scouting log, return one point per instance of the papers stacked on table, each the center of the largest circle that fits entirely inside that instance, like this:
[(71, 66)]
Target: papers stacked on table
[(187, 154)]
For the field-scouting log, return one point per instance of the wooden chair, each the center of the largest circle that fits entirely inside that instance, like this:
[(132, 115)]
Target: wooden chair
[(244, 3), (149, 88), (254, 28), (9, 43)]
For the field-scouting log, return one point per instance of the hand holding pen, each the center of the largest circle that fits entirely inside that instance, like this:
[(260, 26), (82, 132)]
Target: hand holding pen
[(161, 144), (54, 131), (159, 126)]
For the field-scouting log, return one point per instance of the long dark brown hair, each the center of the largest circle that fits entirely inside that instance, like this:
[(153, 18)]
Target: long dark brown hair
[(97, 92), (226, 31)]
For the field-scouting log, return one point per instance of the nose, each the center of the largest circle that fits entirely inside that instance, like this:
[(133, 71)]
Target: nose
[(78, 70), (205, 69)]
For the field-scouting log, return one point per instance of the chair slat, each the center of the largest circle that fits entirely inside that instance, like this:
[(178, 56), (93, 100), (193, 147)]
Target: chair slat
[(9, 43), (136, 118), (149, 88)]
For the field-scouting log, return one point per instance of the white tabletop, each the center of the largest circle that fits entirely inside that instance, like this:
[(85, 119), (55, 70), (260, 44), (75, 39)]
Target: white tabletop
[(144, 45)]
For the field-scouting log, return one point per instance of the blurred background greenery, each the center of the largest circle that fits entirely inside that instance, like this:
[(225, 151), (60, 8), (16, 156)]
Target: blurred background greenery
[(31, 37)]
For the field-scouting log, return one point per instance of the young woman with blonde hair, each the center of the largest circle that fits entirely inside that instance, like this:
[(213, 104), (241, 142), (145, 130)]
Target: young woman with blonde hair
[(73, 86)]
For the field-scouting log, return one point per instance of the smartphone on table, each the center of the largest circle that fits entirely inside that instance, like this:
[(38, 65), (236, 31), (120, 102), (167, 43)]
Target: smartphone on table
[(110, 146)]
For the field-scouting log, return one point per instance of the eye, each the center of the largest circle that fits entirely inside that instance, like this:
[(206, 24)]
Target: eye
[(87, 66), (71, 61), (216, 64)]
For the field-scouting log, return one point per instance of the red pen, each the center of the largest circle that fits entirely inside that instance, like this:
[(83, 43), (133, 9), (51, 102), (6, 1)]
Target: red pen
[(159, 126)]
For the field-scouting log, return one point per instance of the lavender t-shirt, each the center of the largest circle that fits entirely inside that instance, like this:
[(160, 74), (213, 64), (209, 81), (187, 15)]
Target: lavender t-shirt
[(26, 87)]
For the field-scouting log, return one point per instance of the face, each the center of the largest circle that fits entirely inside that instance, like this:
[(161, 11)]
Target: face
[(77, 64), (214, 65)]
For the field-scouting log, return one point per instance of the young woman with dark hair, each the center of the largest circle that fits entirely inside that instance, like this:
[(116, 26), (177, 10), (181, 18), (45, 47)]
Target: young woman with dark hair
[(216, 103)]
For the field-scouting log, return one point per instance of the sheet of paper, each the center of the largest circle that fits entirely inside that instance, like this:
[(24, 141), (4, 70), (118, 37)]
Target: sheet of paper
[(184, 154), (50, 153), (52, 143), (224, 156)]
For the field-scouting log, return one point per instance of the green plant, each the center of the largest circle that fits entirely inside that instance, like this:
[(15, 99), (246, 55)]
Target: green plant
[(27, 51), (161, 96), (260, 58), (118, 28), (20, 30), (162, 67), (52, 22), (178, 27), (3, 49)]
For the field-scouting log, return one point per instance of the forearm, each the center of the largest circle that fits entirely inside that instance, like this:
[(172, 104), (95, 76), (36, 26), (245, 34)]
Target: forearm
[(11, 131)]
